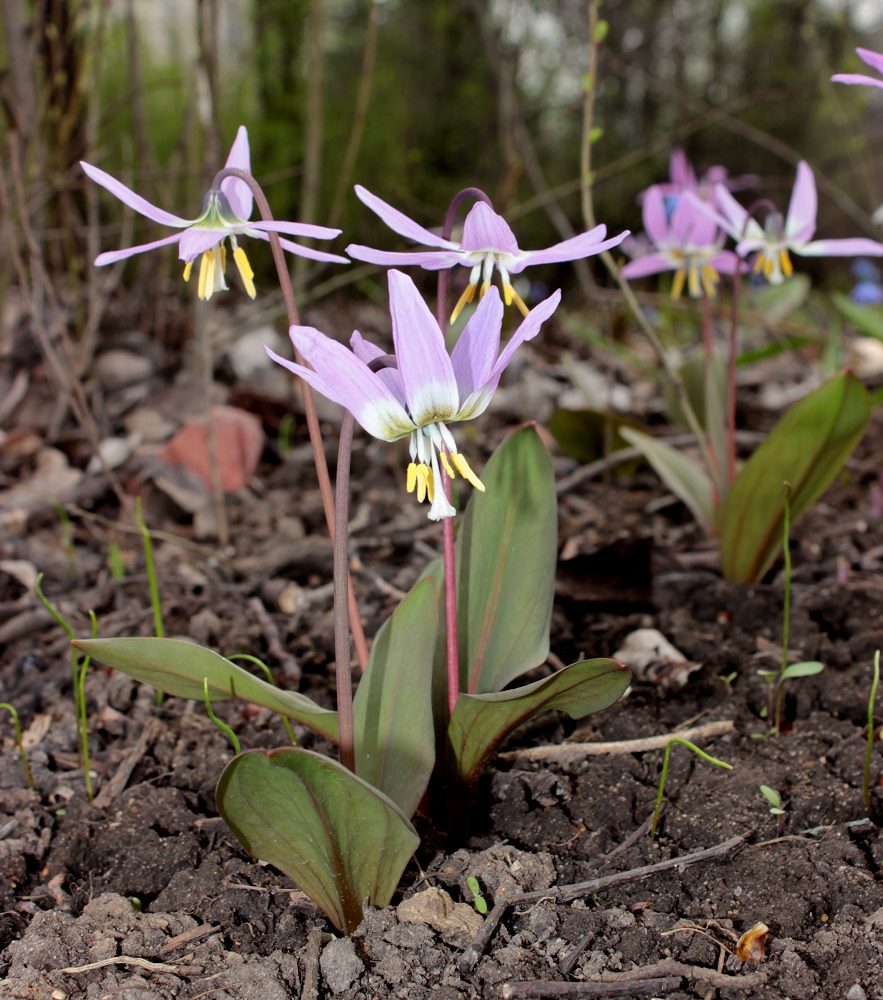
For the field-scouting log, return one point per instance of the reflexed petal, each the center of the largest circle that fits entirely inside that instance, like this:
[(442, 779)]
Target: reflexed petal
[(339, 375), (485, 230), (727, 262), (399, 222), (681, 171), (652, 263), (112, 256), (309, 252), (302, 229), (424, 365), (128, 197), (692, 227), (726, 212), (474, 355), (856, 247), (432, 260), (856, 78), (477, 402), (193, 242), (655, 217), (872, 59), (800, 223), (238, 192), (577, 247)]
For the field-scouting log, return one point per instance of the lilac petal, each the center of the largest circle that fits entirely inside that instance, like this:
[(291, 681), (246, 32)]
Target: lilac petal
[(128, 197), (484, 230), (577, 247), (477, 403), (339, 376), (474, 355), (309, 252), (652, 263), (681, 171), (692, 227), (855, 247), (859, 78), (730, 215), (304, 230), (424, 365), (800, 222), (399, 223), (196, 241), (655, 217), (727, 262), (365, 351), (112, 256), (431, 260), (238, 192), (873, 59)]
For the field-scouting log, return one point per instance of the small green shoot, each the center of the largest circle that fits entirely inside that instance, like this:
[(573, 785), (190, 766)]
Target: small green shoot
[(158, 630), (662, 777), (478, 901), (67, 534), (728, 680), (869, 746), (29, 778), (286, 435), (795, 670), (78, 677), (115, 562), (774, 799), (225, 729), (269, 675)]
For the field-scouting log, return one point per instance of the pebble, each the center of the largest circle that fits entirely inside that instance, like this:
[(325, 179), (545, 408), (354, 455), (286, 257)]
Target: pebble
[(856, 993)]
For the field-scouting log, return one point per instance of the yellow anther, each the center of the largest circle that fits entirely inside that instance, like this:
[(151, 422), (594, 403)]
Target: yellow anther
[(223, 249), (677, 286), (693, 280), (507, 294), (514, 296), (206, 275), (423, 478), (447, 464), (467, 296), (710, 278), (412, 477), (430, 485), (188, 267), (485, 287), (464, 470), (245, 271), (759, 263), (785, 261), (767, 266)]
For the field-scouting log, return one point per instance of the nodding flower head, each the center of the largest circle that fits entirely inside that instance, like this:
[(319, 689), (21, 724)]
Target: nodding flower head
[(427, 390), (225, 217), (488, 244)]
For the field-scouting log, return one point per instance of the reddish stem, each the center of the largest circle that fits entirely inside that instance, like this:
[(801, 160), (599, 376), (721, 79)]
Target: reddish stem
[(731, 386)]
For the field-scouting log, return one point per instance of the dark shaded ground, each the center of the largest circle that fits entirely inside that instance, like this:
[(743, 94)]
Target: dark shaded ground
[(211, 923)]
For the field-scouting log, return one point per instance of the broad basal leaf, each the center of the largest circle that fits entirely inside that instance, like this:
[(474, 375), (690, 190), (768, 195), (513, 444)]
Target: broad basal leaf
[(506, 555), (806, 448), (178, 668), (481, 721), (684, 476), (395, 742), (334, 835)]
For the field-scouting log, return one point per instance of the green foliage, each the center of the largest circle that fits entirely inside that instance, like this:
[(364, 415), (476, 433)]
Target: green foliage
[(340, 840)]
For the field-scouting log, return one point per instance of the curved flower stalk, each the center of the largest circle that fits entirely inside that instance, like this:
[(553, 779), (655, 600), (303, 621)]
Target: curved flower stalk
[(872, 59), (428, 390), (687, 242), (487, 243), (225, 214), (778, 238)]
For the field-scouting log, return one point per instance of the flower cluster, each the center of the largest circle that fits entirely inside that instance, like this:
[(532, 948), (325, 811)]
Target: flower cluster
[(427, 388), (688, 225)]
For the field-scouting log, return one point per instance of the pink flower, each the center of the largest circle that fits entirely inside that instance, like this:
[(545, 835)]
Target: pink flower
[(873, 59), (224, 216)]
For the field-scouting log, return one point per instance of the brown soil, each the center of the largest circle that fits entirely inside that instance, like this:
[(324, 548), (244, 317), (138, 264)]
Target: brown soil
[(157, 896)]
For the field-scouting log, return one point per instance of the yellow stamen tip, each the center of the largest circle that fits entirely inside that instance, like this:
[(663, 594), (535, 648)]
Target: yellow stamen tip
[(188, 267), (467, 473), (448, 468), (785, 260), (467, 296), (412, 477), (677, 286), (514, 296), (485, 286), (245, 271)]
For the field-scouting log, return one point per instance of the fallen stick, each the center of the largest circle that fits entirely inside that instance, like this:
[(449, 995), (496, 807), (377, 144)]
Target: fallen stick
[(562, 753), (550, 991)]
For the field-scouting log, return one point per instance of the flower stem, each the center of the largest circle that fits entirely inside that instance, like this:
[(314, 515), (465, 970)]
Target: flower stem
[(307, 393), (341, 597), (29, 778), (869, 746), (786, 612)]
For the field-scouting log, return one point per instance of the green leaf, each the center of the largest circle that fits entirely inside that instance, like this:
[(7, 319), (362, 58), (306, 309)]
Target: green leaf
[(338, 838), (506, 556), (808, 669), (867, 319), (681, 474), (771, 795), (178, 667), (395, 742), (481, 721), (806, 448), (777, 302)]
